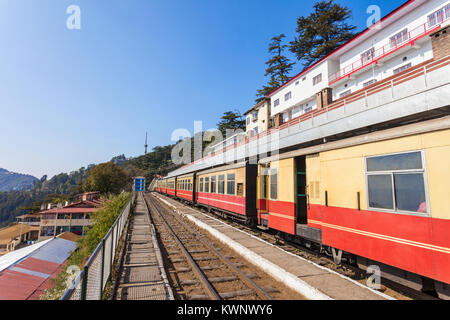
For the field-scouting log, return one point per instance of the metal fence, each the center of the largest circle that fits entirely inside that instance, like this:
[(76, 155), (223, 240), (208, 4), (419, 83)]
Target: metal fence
[(91, 281)]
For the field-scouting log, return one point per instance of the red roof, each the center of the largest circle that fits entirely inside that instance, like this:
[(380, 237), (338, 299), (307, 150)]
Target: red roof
[(86, 206), (69, 210), (26, 277)]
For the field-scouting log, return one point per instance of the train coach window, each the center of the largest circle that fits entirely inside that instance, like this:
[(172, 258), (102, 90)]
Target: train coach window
[(231, 184), (201, 185), (274, 184), (207, 184), (240, 190), (380, 191), (213, 184), (221, 187), (403, 161), (397, 182)]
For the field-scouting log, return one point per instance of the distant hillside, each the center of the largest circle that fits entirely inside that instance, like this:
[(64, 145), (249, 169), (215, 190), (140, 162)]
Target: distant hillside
[(62, 187), (11, 181)]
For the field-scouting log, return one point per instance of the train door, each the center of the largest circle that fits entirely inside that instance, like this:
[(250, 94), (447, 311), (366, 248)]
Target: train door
[(264, 197), (301, 190), (265, 190)]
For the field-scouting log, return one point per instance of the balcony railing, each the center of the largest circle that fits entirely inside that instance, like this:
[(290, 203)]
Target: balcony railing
[(391, 47)]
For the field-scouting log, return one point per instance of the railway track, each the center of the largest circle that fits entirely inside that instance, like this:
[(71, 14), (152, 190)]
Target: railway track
[(201, 269), (391, 288)]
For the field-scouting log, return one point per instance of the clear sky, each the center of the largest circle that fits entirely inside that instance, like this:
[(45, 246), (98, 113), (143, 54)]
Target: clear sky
[(69, 98)]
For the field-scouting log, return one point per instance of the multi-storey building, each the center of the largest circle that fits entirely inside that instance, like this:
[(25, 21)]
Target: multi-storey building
[(257, 119), (406, 38), (74, 217)]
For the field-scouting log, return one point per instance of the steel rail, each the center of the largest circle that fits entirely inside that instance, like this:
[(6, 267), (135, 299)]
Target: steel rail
[(212, 293), (249, 282)]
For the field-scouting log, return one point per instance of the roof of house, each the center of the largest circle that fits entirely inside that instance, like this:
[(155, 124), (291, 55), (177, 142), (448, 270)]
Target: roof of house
[(68, 236), (86, 206), (256, 106), (68, 210), (10, 233), (25, 273), (351, 41)]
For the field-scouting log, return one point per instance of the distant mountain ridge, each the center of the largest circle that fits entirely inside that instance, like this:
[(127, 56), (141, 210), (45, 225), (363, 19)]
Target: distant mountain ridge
[(12, 181)]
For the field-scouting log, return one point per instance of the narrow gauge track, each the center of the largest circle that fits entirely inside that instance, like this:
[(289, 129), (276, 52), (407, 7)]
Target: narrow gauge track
[(201, 270), (347, 269)]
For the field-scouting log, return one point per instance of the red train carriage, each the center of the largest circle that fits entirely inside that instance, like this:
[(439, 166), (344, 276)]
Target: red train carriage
[(230, 189)]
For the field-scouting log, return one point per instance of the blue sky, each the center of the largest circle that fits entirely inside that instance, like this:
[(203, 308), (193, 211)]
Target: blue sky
[(69, 98)]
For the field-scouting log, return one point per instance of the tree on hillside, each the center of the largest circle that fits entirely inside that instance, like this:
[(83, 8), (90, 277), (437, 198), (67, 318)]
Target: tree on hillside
[(279, 67), (321, 32), (106, 178), (232, 120), (266, 90), (32, 208), (119, 159)]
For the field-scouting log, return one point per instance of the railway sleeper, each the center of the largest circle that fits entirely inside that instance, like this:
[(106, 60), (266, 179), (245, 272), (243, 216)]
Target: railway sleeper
[(235, 294), (218, 279), (270, 289)]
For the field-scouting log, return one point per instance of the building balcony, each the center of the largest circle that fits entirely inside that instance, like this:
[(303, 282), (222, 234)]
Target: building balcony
[(387, 51)]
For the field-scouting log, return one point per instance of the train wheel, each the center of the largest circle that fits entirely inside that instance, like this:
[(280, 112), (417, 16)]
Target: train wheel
[(337, 255)]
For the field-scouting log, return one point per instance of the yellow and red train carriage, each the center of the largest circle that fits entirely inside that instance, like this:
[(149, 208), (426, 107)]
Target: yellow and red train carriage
[(185, 187), (231, 189), (171, 187), (383, 199), (380, 198)]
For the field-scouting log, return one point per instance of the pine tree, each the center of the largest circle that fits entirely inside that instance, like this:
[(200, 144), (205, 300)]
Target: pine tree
[(321, 32), (231, 120), (279, 67)]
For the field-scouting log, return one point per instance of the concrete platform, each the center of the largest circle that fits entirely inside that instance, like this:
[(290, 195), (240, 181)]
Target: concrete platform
[(308, 278), (143, 276)]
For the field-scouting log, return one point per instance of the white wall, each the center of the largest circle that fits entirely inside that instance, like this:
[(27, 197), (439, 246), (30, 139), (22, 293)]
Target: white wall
[(302, 90)]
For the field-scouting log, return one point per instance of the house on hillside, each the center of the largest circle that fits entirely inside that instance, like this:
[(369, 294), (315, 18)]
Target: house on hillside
[(74, 217), (13, 237)]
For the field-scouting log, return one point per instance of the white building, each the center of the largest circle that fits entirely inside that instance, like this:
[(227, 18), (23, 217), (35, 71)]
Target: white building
[(257, 119), (398, 42)]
